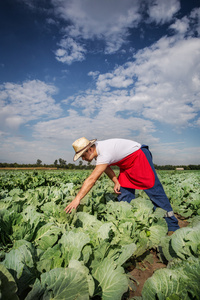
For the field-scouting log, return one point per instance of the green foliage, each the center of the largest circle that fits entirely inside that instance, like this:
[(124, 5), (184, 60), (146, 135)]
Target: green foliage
[(60, 283), (178, 281), (183, 191), (8, 286), (49, 254)]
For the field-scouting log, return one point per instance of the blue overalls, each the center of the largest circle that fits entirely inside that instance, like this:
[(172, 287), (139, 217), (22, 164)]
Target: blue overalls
[(156, 194)]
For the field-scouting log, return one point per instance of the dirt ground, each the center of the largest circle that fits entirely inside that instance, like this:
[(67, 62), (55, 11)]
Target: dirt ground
[(142, 271)]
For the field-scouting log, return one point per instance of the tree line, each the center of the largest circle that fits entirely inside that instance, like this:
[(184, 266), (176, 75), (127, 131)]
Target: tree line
[(62, 164), (58, 164), (171, 167)]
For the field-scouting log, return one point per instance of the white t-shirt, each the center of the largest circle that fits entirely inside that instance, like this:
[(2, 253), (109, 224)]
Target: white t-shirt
[(113, 150)]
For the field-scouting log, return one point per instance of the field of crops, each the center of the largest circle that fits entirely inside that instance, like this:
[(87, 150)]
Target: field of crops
[(92, 253)]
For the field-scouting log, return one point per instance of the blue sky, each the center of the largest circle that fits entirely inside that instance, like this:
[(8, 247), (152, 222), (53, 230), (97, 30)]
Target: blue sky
[(99, 69)]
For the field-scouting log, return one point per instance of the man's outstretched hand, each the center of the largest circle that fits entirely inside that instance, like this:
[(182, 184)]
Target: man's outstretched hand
[(117, 188), (73, 205)]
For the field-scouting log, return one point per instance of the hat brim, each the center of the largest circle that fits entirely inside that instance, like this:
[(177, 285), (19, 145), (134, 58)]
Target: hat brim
[(78, 155)]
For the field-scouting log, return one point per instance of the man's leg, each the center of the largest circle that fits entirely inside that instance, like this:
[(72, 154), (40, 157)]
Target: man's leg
[(158, 196), (126, 195)]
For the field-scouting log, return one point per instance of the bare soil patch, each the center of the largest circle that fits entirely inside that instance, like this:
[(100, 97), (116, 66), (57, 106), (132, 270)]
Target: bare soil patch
[(181, 221), (145, 269)]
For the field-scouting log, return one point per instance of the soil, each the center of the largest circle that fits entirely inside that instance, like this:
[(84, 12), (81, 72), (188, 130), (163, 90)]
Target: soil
[(145, 269)]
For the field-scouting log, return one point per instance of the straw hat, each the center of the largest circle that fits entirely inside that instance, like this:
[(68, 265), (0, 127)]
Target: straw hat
[(81, 145)]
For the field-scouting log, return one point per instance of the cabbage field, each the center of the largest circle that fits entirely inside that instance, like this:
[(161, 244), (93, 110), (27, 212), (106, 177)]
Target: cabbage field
[(92, 252)]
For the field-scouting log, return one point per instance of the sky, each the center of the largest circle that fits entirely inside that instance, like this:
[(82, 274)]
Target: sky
[(99, 69)]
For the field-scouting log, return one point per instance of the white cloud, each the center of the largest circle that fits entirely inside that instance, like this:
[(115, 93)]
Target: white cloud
[(195, 20), (188, 25), (181, 26), (109, 22), (118, 79), (94, 74), (70, 51), (166, 77), (13, 121), (104, 125), (104, 20), (54, 138), (162, 11), (31, 100), (160, 84)]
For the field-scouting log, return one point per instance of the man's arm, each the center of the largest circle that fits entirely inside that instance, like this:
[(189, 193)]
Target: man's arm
[(86, 187), (113, 177)]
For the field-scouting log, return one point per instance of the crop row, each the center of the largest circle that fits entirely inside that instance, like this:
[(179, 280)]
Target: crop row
[(46, 254)]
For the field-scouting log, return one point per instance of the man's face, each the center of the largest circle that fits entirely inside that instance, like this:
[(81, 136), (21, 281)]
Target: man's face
[(88, 155)]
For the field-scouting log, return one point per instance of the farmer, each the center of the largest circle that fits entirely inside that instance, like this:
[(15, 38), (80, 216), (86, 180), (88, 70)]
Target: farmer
[(136, 172)]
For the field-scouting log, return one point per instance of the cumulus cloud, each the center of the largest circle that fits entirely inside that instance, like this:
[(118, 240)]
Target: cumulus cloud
[(181, 26), (162, 11), (76, 125), (106, 21), (94, 74), (31, 100), (166, 84), (161, 84), (70, 51), (109, 22), (118, 79), (188, 25), (195, 20)]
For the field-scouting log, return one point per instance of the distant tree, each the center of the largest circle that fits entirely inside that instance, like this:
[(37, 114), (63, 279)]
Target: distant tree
[(80, 164), (39, 162), (56, 162), (89, 165), (62, 162), (71, 166)]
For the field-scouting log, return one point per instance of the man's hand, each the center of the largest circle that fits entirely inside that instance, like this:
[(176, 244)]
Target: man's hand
[(113, 177), (117, 188), (74, 204), (87, 185)]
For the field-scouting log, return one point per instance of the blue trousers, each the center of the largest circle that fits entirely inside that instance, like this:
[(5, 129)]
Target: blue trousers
[(156, 194)]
